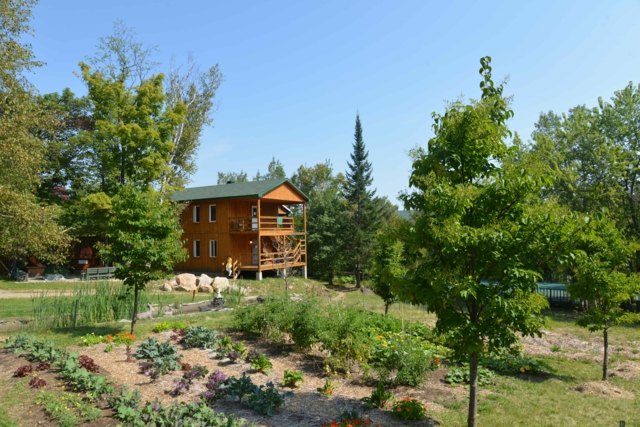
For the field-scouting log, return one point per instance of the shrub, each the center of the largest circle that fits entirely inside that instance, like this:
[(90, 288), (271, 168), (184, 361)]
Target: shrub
[(409, 409), (272, 319), (408, 356), (379, 397), (125, 405), (240, 387), (292, 378), (308, 324), (92, 339)]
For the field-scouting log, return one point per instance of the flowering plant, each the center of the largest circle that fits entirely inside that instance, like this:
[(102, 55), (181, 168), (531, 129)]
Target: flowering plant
[(349, 419), (409, 409)]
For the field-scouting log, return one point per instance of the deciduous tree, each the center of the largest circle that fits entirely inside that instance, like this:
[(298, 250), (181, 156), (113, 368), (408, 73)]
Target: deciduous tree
[(474, 232), (144, 236)]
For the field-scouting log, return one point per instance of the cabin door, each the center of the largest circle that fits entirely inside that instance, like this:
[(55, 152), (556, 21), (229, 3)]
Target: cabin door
[(254, 253)]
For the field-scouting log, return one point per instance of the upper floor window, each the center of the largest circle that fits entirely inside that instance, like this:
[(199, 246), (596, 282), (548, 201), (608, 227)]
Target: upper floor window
[(212, 213), (196, 214)]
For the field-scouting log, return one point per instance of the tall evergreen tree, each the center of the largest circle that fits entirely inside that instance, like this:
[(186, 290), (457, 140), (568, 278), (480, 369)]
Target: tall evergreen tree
[(362, 212)]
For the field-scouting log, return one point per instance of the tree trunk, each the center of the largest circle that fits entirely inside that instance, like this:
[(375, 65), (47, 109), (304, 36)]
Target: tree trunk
[(135, 308), (605, 359), (473, 389), (386, 308), (358, 278)]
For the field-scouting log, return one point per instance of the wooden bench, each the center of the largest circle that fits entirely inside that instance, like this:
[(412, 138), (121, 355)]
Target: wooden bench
[(99, 273)]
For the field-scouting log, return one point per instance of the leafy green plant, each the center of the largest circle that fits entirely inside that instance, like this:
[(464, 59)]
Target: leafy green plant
[(509, 364), (260, 362), (198, 337), (80, 379), (327, 388), (460, 375), (379, 397), (176, 325), (181, 414), (125, 405), (67, 409), (92, 339), (409, 409), (161, 357), (240, 387), (266, 400), (292, 378)]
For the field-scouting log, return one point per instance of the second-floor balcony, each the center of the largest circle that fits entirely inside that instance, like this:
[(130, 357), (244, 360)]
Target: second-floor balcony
[(262, 224)]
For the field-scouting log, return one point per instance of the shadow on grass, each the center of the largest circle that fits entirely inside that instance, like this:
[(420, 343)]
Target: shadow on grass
[(80, 331)]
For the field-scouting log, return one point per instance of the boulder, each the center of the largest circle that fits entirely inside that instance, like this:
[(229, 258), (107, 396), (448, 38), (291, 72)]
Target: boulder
[(186, 282), (205, 288), (221, 284), (205, 280), (168, 287)]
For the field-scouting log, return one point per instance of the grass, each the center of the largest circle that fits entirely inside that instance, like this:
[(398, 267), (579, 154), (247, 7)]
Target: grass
[(14, 394), (511, 401), (40, 285)]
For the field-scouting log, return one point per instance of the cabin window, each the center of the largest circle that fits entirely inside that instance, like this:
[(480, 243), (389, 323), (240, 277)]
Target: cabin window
[(196, 248), (212, 213), (196, 214), (213, 248)]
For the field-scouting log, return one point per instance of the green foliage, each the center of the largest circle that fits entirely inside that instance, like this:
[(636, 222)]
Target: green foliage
[(474, 235), (161, 357), (267, 400), (460, 375), (67, 409), (407, 356), (327, 388), (198, 337), (144, 238), (269, 319), (35, 349), (240, 387), (175, 325), (27, 226), (80, 379), (389, 263), (379, 397), (362, 212), (292, 378), (92, 339), (409, 409), (125, 405), (261, 363), (509, 364), (307, 323)]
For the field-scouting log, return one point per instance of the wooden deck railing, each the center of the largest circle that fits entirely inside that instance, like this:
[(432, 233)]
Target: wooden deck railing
[(293, 252), (264, 223)]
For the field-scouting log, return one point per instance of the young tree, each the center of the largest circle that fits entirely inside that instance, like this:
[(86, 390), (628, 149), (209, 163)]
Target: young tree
[(362, 212), (389, 263), (226, 177), (275, 170), (474, 233), (144, 236), (602, 277)]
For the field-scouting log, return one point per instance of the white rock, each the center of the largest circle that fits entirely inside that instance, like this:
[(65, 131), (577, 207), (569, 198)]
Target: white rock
[(205, 288), (186, 282), (204, 280), (220, 284), (167, 287)]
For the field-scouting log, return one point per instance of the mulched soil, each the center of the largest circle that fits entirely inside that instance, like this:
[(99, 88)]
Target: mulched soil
[(307, 407)]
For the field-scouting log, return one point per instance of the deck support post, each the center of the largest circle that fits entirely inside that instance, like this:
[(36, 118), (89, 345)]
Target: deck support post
[(304, 272), (258, 275)]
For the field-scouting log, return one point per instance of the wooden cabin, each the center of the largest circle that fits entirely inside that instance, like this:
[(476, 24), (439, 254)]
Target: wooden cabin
[(251, 222)]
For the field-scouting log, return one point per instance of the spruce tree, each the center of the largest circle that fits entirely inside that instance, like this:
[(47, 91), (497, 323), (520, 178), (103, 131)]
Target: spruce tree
[(362, 208)]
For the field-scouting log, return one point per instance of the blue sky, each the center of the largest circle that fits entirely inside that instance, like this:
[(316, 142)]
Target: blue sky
[(296, 72)]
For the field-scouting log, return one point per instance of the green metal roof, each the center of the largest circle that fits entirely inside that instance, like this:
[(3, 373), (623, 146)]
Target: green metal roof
[(234, 190)]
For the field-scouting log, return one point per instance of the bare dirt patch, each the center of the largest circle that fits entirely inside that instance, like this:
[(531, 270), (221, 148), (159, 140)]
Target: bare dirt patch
[(603, 388), (628, 370)]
